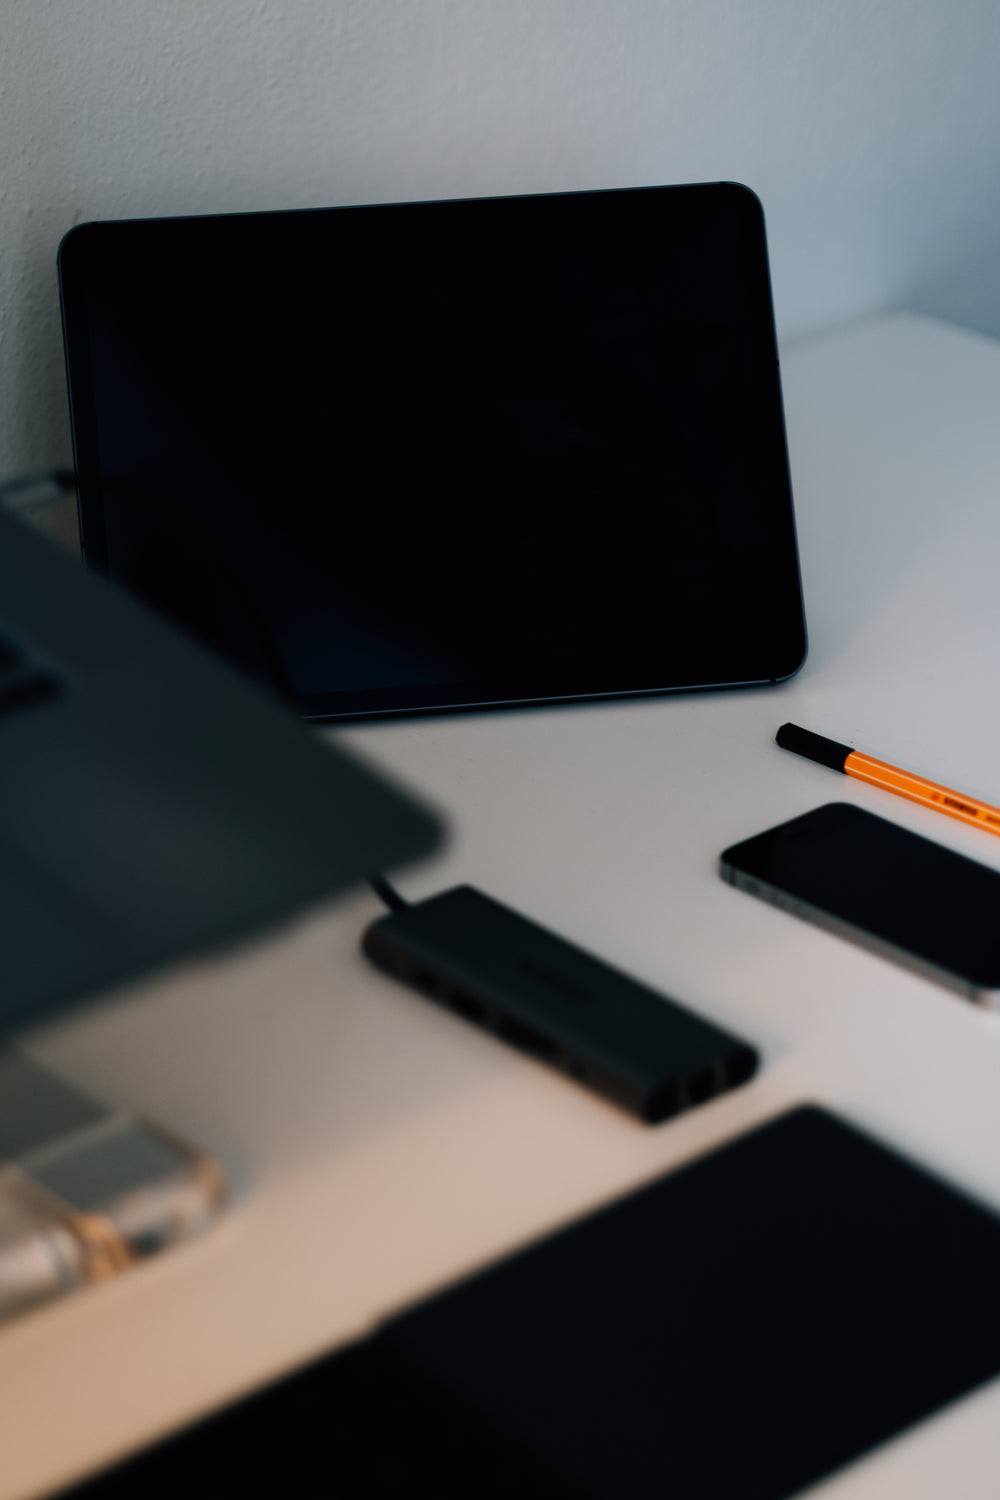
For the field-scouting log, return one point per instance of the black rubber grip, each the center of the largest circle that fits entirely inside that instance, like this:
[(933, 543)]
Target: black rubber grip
[(813, 746)]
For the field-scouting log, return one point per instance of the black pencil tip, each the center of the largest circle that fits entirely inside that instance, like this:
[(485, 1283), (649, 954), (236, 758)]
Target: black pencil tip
[(813, 746)]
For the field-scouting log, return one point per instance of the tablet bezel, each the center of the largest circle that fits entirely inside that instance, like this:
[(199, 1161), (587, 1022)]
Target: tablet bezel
[(523, 685)]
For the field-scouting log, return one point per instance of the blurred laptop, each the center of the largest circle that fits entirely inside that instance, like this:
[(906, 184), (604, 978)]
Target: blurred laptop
[(153, 804)]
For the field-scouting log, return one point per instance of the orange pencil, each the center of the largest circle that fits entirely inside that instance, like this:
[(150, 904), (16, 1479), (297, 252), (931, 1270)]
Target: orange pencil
[(889, 778)]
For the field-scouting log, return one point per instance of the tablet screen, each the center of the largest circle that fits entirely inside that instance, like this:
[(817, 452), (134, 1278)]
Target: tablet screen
[(412, 456)]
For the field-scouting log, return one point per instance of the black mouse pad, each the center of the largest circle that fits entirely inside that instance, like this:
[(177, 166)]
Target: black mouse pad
[(741, 1328)]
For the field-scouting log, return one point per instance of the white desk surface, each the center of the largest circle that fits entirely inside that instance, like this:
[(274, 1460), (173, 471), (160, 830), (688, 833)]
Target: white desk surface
[(379, 1148)]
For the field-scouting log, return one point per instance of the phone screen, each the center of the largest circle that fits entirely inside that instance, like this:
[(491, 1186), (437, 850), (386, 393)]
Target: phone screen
[(865, 878)]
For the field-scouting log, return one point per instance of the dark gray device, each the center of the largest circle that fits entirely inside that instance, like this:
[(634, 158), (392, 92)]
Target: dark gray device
[(335, 444), (152, 803), (547, 997), (735, 1331), (883, 887)]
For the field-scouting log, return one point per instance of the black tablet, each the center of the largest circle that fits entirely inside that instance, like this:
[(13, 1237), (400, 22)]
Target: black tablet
[(429, 455), (739, 1329)]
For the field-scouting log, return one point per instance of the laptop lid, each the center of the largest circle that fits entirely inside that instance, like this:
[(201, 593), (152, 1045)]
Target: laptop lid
[(152, 803)]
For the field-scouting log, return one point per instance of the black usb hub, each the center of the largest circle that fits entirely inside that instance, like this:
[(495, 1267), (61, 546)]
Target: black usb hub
[(550, 999)]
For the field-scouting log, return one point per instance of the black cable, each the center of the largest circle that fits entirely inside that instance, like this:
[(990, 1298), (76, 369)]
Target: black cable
[(393, 900)]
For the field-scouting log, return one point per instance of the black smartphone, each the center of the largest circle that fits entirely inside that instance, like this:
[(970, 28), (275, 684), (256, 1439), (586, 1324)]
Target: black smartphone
[(897, 894)]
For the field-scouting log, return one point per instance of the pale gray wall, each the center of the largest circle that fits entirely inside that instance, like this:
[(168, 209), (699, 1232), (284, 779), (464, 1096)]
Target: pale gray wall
[(870, 129)]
